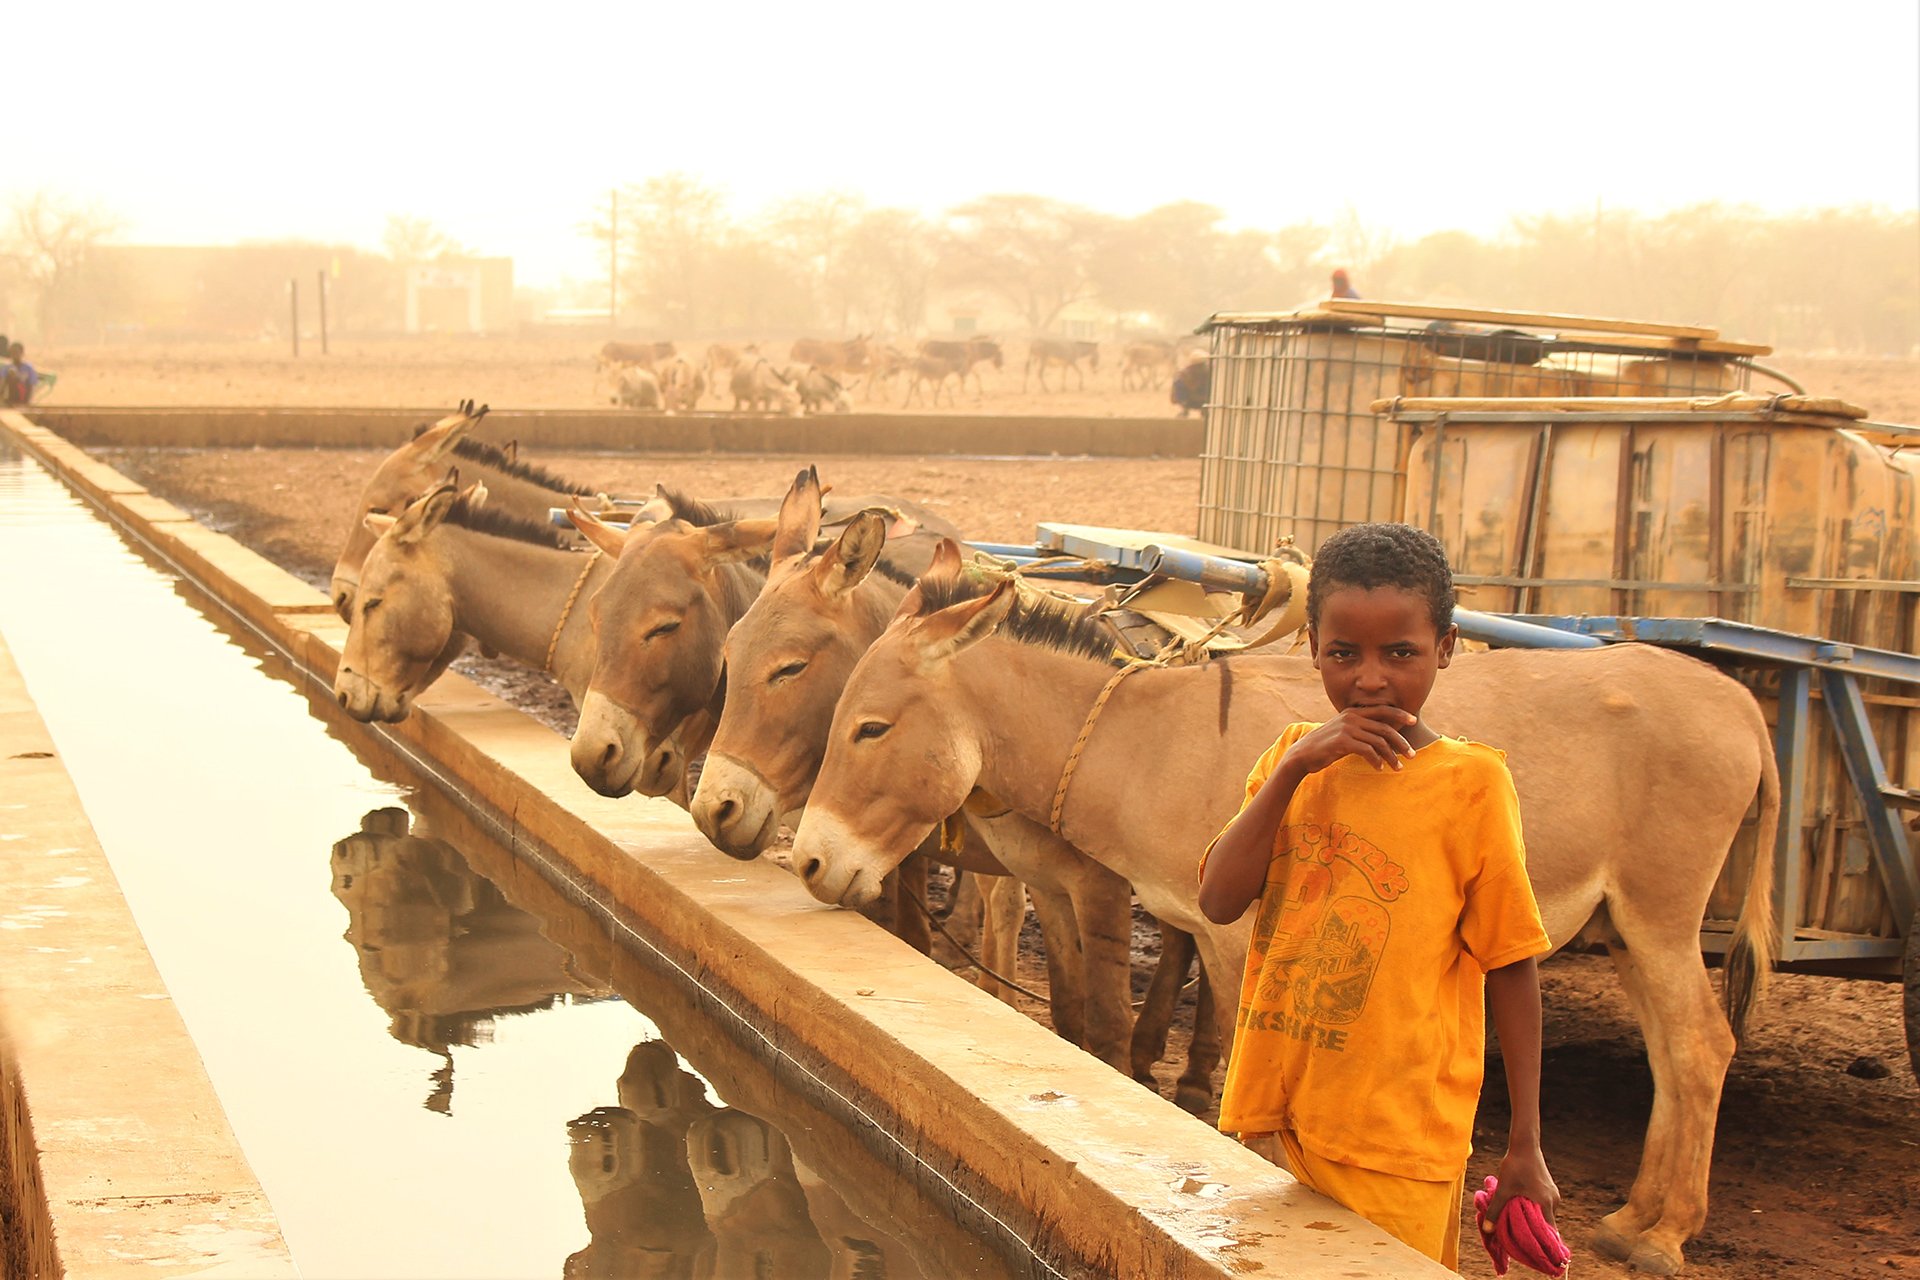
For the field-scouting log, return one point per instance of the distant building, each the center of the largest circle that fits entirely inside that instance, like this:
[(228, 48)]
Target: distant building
[(246, 291), (460, 295)]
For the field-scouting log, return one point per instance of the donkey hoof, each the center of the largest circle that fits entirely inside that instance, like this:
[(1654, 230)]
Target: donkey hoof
[(1193, 1101), (1650, 1258), (1613, 1244)]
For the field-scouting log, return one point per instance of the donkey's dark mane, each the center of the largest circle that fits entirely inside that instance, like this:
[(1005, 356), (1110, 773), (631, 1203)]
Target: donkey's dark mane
[(695, 512), (500, 524), (489, 456), (1043, 623)]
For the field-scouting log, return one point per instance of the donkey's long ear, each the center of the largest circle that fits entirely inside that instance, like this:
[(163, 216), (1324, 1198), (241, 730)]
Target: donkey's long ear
[(946, 633), (799, 516), (439, 439), (423, 514), (655, 510), (945, 565), (605, 538), (852, 556), (737, 540)]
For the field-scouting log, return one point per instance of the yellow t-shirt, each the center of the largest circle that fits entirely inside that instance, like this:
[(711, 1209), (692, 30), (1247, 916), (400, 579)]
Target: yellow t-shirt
[(1388, 896)]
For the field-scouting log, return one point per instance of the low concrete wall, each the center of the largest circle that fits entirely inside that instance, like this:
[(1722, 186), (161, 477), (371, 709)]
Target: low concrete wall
[(26, 1227), (1100, 1176), (121, 1162), (592, 429)]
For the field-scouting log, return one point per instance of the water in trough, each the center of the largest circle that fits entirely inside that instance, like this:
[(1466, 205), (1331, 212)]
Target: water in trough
[(430, 1075)]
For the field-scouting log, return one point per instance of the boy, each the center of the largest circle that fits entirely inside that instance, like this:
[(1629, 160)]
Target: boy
[(1389, 872)]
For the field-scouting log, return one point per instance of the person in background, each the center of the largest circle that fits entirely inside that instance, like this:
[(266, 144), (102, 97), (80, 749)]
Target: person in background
[(1343, 287), (21, 379), (1192, 385)]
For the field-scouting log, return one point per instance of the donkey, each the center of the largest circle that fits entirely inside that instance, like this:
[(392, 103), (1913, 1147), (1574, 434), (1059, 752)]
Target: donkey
[(654, 683), (427, 461), (787, 659), (659, 624), (448, 568), (1635, 768)]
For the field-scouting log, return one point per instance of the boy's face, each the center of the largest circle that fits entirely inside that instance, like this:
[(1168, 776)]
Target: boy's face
[(1378, 647)]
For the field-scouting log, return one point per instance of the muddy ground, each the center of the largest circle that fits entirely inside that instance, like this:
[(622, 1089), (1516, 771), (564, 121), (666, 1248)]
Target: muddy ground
[(1816, 1170)]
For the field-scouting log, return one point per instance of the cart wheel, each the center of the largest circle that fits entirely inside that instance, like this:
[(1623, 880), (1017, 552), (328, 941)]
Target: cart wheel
[(1913, 994)]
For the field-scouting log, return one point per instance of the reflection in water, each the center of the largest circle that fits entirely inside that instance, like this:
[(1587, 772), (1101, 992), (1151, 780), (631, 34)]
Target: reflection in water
[(753, 1198), (675, 1187), (439, 948), (672, 1184), (630, 1163)]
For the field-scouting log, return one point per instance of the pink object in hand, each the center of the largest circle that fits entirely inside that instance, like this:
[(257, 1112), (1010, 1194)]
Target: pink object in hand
[(1522, 1235)]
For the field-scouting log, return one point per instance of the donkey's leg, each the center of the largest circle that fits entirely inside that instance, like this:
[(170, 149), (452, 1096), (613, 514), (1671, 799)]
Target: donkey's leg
[(910, 911), (1066, 965), (965, 908), (1195, 1088), (1004, 903), (1688, 1048), (1103, 906), (1149, 1043)]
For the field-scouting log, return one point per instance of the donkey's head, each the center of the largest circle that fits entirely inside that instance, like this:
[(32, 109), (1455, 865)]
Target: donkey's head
[(401, 634), (659, 629), (787, 660), (903, 751), (420, 464)]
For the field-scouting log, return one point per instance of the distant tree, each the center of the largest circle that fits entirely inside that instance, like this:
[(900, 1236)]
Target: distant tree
[(1356, 245), (887, 267), (54, 244), (410, 240), (1034, 252), (813, 234), (673, 227), (749, 286), (1177, 265)]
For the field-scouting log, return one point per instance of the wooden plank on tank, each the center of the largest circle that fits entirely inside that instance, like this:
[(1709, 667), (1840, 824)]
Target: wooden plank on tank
[(1538, 319), (1651, 342), (1736, 402)]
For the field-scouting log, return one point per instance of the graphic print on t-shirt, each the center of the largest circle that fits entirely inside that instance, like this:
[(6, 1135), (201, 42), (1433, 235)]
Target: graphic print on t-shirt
[(1324, 938)]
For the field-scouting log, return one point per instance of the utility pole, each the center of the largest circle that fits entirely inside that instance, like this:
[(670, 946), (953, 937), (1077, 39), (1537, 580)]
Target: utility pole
[(321, 279), (613, 264), (293, 298)]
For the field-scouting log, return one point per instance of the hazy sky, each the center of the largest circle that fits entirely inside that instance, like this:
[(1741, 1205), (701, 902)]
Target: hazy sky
[(201, 123)]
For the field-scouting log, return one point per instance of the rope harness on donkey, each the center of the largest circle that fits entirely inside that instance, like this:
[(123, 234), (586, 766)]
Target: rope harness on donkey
[(1284, 601), (566, 610)]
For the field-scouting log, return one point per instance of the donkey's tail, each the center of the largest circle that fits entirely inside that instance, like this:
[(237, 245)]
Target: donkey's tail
[(1750, 957)]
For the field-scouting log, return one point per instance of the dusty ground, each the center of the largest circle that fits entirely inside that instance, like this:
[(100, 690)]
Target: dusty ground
[(1816, 1172), (558, 373)]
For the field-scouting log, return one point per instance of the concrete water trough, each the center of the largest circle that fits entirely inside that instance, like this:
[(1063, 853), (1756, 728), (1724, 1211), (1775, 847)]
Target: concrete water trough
[(913, 434), (1024, 1155)]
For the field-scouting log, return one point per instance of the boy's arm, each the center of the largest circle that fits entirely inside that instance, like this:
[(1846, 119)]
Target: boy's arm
[(1513, 994), (1236, 870)]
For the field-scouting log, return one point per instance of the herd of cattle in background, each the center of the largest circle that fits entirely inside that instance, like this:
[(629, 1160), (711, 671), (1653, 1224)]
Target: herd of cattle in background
[(822, 375)]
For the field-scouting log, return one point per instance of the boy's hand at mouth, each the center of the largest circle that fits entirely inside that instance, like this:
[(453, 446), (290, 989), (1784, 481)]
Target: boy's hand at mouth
[(1377, 734)]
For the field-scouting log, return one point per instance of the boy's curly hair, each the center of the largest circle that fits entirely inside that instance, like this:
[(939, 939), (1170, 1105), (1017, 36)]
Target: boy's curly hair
[(1383, 555)]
